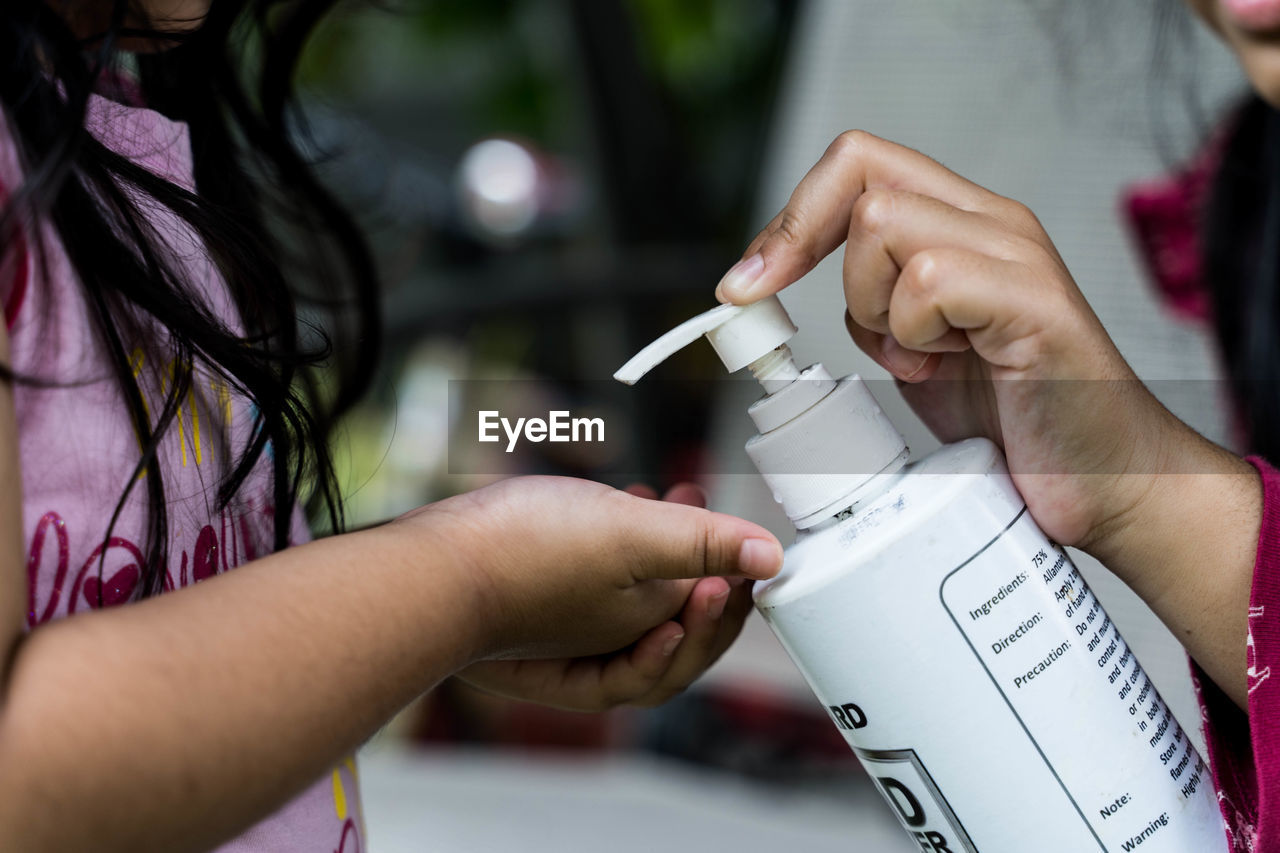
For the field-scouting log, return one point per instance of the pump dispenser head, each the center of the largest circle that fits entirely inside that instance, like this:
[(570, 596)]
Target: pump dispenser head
[(740, 335), (820, 440)]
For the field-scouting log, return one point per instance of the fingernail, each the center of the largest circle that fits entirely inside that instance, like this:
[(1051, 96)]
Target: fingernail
[(903, 363), (740, 280), (670, 646), (715, 604), (759, 557)]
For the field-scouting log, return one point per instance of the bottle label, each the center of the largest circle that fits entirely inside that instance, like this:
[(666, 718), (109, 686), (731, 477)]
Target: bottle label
[(1047, 646), (985, 689)]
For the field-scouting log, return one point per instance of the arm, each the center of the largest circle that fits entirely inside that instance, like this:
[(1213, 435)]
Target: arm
[(1188, 546), (177, 722), (962, 297)]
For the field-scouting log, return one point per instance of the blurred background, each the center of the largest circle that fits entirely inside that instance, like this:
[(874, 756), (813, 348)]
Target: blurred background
[(549, 184)]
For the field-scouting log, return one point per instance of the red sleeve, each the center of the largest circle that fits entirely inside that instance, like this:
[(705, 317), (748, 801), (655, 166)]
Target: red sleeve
[(1244, 750), (1164, 218)]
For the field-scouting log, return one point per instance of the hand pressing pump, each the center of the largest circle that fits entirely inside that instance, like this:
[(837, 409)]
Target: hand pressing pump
[(961, 654)]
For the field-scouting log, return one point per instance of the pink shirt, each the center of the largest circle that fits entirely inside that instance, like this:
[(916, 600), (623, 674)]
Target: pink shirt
[(78, 450), (1244, 750)]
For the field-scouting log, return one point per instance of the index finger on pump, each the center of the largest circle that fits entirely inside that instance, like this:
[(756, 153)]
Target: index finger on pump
[(816, 218)]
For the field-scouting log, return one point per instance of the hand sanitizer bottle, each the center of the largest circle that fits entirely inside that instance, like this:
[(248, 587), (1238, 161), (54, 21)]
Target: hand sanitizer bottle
[(981, 684)]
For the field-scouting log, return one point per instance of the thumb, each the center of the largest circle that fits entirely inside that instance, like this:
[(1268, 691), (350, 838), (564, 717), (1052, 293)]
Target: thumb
[(676, 541)]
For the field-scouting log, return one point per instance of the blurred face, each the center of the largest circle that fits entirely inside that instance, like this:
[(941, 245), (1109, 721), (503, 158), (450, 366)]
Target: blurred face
[(1251, 28)]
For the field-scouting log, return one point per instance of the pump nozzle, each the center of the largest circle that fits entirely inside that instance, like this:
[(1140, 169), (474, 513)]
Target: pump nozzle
[(820, 440), (740, 335)]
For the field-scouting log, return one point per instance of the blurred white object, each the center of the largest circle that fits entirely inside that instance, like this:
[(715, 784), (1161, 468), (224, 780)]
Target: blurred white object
[(499, 184), (508, 190)]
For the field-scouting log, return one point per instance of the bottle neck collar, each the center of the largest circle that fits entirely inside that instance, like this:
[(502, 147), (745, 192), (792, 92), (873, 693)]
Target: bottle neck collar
[(847, 505)]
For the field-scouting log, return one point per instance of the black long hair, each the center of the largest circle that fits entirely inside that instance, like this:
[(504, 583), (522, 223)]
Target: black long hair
[(276, 236), (1242, 264)]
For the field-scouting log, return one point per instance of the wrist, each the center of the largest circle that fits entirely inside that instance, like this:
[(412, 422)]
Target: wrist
[(1196, 501), (434, 549), (1188, 548)]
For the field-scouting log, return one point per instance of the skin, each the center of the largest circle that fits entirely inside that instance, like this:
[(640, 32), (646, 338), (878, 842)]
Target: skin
[(945, 280), (637, 596), (1257, 52), (187, 744)]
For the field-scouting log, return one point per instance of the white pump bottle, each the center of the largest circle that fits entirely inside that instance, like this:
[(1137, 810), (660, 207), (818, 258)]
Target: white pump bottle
[(961, 654)]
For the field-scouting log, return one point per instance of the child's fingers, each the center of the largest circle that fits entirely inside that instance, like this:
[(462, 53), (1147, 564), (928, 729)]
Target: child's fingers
[(641, 490), (701, 617), (712, 620), (667, 659), (688, 494), (658, 666), (583, 684), (601, 683)]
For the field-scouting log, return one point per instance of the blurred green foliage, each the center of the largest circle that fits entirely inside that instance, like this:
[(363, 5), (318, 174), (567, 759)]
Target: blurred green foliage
[(512, 65)]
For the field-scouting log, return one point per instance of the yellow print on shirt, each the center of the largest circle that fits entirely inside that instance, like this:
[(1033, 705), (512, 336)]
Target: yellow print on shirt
[(343, 800), (187, 414)]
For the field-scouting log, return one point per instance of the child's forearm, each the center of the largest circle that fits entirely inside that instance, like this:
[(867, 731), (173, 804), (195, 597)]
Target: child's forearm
[(177, 722)]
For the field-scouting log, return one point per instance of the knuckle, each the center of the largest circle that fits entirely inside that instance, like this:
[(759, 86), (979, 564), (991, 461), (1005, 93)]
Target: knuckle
[(923, 275), (873, 210), (791, 229), (793, 233), (1024, 250), (704, 546), (850, 143), (1019, 216)]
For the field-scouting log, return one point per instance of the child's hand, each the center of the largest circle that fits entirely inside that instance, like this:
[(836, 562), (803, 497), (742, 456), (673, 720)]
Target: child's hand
[(578, 585), (946, 282), (661, 664), (960, 294)]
